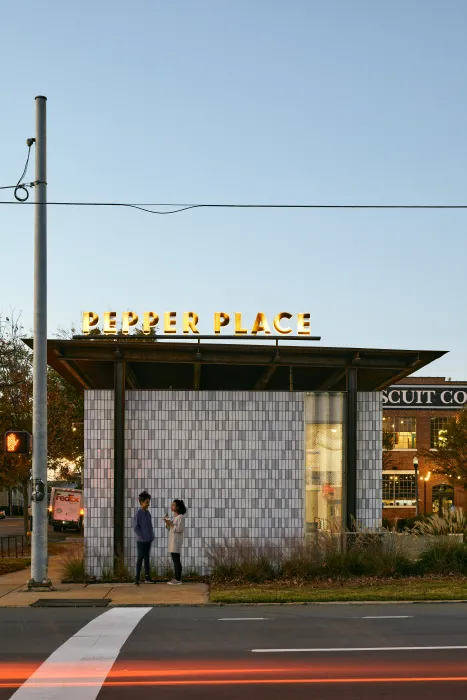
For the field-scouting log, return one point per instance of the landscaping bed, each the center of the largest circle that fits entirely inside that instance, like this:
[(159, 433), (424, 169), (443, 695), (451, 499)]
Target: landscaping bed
[(8, 565), (405, 589)]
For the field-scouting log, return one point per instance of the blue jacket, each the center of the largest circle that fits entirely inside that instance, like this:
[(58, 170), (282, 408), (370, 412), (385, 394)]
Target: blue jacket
[(144, 530)]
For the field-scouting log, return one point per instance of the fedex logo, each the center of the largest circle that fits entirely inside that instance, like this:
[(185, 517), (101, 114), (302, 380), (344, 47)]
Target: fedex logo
[(69, 499)]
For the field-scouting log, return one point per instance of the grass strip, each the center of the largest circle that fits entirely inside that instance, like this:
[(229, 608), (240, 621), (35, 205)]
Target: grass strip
[(394, 590)]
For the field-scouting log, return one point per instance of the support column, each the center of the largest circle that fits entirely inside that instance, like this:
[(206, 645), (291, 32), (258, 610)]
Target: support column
[(119, 455), (351, 447)]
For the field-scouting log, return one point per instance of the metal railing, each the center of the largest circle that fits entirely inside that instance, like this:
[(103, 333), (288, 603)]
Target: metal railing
[(14, 545)]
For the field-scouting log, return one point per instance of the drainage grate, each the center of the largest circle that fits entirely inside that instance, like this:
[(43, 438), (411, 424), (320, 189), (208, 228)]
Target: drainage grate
[(70, 603)]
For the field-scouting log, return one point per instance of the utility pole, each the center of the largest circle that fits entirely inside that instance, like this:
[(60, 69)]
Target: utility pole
[(39, 562)]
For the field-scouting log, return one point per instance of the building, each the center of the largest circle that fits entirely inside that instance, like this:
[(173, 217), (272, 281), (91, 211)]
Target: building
[(262, 440), (415, 412), (11, 501)]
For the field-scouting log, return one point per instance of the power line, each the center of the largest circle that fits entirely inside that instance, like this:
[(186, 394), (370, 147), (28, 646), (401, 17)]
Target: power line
[(21, 187), (180, 207)]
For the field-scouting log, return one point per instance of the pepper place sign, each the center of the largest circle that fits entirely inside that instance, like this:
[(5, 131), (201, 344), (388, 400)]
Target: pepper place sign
[(187, 323), (425, 397)]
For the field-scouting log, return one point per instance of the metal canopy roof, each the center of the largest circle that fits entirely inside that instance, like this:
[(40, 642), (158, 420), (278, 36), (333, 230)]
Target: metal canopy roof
[(201, 363)]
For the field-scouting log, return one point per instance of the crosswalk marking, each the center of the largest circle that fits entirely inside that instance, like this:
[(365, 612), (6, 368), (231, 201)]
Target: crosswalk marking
[(85, 658)]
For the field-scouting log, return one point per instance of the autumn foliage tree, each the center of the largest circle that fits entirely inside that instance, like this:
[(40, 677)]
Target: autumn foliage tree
[(450, 456), (15, 402), (65, 410)]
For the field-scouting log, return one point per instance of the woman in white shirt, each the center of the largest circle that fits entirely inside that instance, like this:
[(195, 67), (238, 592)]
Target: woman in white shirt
[(176, 528)]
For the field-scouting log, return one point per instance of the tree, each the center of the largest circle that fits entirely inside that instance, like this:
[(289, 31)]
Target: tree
[(450, 457), (15, 403), (65, 420), (65, 410), (388, 447)]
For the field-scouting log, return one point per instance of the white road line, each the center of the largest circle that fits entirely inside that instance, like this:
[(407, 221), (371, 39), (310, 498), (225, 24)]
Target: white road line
[(88, 657), (353, 649), (386, 617), (230, 619)]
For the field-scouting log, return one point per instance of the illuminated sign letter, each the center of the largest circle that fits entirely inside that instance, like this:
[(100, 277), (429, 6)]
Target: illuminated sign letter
[(90, 319), (110, 322), (303, 324), (261, 325), (190, 319), (277, 323), (220, 319), (150, 321), (129, 319), (170, 320), (238, 324)]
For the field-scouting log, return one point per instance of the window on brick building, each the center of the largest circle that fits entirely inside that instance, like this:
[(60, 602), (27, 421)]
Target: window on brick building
[(438, 431), (403, 430), (398, 489)]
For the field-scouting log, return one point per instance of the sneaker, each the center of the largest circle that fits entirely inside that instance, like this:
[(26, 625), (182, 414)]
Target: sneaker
[(148, 580), (174, 582), (136, 583)]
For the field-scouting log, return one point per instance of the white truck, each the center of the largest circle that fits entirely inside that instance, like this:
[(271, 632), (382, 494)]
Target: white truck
[(66, 510)]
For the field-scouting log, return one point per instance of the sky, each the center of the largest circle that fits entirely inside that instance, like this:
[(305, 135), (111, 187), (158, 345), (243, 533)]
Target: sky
[(273, 102)]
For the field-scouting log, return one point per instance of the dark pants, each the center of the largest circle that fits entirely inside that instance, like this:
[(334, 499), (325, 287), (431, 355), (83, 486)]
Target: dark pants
[(177, 566), (143, 555)]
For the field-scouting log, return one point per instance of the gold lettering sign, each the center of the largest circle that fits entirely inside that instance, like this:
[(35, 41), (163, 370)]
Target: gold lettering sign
[(110, 322), (303, 324), (238, 324), (170, 321), (220, 319), (90, 320), (150, 321), (190, 320), (261, 325), (129, 319), (277, 323)]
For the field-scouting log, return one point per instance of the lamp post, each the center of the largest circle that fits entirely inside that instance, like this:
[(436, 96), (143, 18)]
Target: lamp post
[(427, 478), (415, 466)]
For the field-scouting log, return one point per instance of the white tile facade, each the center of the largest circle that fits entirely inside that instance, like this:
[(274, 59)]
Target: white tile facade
[(235, 458), (369, 459)]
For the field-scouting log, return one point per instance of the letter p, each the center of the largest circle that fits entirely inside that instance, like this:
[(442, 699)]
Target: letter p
[(90, 320)]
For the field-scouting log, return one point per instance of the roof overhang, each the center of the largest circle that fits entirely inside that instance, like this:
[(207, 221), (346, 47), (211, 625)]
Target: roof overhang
[(202, 363)]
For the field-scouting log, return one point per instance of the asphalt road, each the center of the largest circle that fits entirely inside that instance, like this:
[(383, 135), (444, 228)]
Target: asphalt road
[(14, 526), (362, 651)]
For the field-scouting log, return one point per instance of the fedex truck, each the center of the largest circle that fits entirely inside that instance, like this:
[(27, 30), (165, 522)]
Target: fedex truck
[(66, 509)]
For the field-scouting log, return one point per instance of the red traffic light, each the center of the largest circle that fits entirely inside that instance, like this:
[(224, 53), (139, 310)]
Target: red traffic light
[(17, 442)]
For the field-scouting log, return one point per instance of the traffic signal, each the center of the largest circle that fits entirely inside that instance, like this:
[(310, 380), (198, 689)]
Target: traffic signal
[(17, 442)]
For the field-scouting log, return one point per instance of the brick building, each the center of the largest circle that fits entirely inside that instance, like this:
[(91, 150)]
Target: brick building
[(415, 412)]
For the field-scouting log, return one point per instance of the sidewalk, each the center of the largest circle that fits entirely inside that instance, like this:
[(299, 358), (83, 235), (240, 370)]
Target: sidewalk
[(13, 593)]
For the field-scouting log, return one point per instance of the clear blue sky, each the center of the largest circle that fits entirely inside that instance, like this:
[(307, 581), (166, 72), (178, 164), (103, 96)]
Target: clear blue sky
[(294, 101)]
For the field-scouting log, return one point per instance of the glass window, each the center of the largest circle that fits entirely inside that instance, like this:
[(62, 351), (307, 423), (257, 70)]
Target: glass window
[(438, 431), (398, 489), (403, 430), (324, 460)]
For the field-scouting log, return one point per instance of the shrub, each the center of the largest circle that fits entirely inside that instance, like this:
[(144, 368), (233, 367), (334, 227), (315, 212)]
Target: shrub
[(323, 556), (454, 523), (74, 567), (444, 557)]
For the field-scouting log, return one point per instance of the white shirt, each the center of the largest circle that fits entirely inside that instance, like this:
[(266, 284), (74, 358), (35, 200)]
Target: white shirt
[(176, 534)]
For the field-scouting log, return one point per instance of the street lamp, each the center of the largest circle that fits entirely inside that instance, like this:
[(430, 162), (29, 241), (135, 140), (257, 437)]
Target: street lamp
[(415, 466), (427, 478)]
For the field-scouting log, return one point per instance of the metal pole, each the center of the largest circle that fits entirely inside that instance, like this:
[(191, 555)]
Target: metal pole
[(417, 502), (39, 402)]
